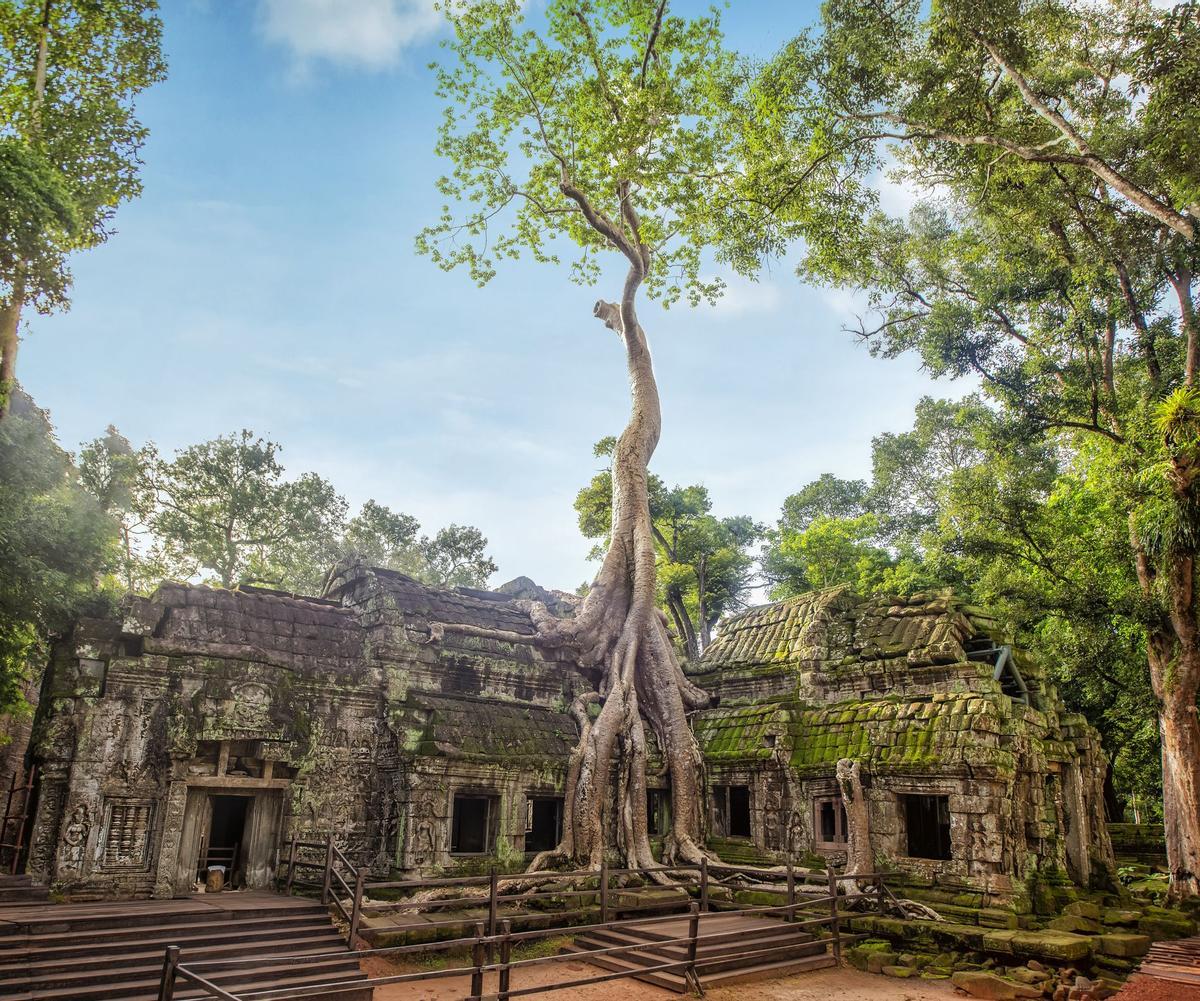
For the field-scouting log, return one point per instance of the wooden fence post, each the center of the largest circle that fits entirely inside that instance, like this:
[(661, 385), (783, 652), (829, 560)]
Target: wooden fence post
[(291, 866), (505, 957), (834, 925), (477, 961), (879, 892), (704, 882), (693, 934), (356, 909), (791, 892), (328, 870), (493, 889), (166, 987), (604, 891)]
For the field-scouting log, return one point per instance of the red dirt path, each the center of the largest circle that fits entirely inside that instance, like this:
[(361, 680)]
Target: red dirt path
[(822, 985)]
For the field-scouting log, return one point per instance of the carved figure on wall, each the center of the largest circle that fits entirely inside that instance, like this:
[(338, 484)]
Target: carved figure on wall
[(251, 706), (424, 832), (75, 836)]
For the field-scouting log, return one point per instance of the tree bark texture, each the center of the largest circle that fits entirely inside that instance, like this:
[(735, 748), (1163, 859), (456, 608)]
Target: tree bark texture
[(858, 817)]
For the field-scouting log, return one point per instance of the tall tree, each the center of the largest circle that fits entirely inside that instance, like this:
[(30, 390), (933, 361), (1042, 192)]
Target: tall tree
[(608, 129), (223, 507), (69, 73), (56, 545), (1059, 267), (705, 564)]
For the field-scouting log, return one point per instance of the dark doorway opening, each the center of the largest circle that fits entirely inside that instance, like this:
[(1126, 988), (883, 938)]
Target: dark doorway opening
[(226, 834), (831, 820), (658, 812), (927, 821), (732, 808), (543, 828), (473, 828)]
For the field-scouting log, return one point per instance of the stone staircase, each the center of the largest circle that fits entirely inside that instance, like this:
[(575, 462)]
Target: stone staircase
[(114, 951), (724, 955), (21, 890)]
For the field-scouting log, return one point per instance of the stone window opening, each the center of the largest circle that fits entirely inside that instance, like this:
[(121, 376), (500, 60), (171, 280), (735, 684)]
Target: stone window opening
[(731, 811), (543, 823), (927, 826), (829, 821), (658, 812), (474, 825), (128, 829)]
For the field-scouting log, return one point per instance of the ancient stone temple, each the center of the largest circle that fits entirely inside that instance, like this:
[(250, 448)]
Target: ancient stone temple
[(208, 727), (975, 774)]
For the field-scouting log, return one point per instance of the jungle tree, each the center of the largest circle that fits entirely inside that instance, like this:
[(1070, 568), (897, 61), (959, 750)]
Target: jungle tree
[(1058, 268), (608, 130), (69, 140)]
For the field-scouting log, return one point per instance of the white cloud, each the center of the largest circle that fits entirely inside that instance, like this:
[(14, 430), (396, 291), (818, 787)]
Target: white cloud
[(365, 33)]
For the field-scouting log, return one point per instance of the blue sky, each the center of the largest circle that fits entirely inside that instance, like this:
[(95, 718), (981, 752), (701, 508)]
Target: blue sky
[(267, 279)]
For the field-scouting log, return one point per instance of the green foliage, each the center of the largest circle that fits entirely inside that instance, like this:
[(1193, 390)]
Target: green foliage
[(71, 156), (55, 545), (224, 507), (38, 216), (455, 557), (705, 567), (224, 511), (616, 114)]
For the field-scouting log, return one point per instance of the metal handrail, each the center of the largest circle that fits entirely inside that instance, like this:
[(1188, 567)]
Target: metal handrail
[(482, 945)]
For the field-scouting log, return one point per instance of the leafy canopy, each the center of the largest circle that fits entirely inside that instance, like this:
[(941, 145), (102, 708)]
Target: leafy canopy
[(72, 155), (616, 122)]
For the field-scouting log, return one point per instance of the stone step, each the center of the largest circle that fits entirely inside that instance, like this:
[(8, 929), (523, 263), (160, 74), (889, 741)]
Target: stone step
[(710, 949), (98, 979), (677, 982), (196, 933), (114, 951), (258, 980), (39, 963)]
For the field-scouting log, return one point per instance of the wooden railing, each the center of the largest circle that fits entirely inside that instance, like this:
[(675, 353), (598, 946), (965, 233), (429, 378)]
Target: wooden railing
[(332, 880), (823, 910), (15, 823)]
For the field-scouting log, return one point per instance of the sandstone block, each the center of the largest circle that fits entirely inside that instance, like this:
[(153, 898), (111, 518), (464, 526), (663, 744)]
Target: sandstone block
[(988, 985), (1124, 945)]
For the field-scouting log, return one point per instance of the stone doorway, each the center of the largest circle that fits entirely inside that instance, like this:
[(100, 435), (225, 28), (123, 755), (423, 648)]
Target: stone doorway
[(233, 827)]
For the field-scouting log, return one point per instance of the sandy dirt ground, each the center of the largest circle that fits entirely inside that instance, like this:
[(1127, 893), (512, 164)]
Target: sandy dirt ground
[(1148, 989), (823, 985)]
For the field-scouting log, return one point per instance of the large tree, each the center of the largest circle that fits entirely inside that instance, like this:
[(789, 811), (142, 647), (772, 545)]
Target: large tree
[(1058, 267), (224, 508), (607, 130), (69, 141)]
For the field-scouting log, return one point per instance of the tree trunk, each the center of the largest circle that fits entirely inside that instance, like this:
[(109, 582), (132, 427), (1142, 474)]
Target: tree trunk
[(858, 817), (10, 321), (683, 625), (620, 639), (1179, 726)]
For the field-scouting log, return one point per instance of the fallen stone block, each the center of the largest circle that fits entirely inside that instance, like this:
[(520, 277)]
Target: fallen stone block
[(988, 985), (1124, 945)]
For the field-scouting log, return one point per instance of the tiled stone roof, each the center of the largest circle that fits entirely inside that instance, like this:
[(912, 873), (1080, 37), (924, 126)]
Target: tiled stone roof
[(245, 624), (480, 730)]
